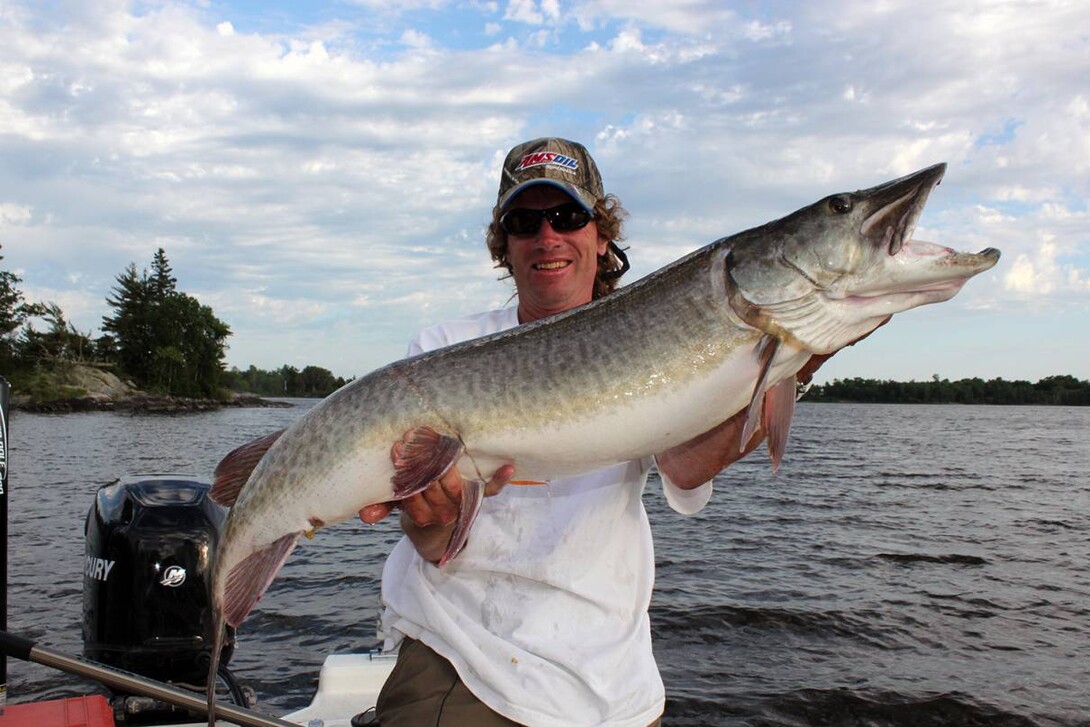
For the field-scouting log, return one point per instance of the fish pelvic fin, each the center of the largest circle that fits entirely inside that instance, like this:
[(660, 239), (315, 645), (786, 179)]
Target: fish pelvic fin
[(250, 578), (472, 497), (766, 352), (778, 411), (234, 469), (425, 455)]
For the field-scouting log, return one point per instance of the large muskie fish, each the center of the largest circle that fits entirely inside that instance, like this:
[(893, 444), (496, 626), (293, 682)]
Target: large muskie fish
[(633, 374)]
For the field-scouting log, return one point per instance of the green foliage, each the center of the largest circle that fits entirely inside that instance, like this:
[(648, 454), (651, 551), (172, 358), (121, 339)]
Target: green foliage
[(13, 313), (41, 386), (1056, 390), (60, 344), (23, 348), (164, 339), (161, 338), (312, 381)]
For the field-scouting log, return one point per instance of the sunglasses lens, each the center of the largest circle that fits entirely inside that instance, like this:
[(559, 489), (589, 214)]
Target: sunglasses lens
[(562, 218), (567, 217), (521, 221)]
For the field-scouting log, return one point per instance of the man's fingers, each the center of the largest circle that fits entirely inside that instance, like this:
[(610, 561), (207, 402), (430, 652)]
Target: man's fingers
[(500, 478), (444, 500), (374, 513), (418, 510)]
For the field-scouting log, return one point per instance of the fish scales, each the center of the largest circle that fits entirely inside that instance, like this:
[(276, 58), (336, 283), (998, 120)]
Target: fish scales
[(578, 364), (582, 373)]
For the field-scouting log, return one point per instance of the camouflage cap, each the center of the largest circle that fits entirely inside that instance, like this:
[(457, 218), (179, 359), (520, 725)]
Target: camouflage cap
[(564, 164)]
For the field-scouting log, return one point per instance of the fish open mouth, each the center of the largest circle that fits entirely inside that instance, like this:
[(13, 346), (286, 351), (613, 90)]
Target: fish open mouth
[(897, 206)]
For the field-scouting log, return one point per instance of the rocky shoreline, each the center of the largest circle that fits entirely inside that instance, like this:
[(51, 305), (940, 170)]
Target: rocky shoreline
[(142, 404), (79, 388)]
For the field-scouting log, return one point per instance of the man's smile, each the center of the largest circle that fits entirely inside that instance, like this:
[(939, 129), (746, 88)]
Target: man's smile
[(552, 265)]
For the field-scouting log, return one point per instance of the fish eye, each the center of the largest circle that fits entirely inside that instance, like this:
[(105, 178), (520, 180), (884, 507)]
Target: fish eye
[(840, 204)]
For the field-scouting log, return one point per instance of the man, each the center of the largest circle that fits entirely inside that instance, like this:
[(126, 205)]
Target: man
[(543, 617)]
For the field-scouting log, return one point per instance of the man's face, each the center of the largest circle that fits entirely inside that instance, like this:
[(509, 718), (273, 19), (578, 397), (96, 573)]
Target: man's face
[(553, 271)]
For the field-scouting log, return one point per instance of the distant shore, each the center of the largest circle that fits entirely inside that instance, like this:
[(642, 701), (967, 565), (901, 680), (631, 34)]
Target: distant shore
[(142, 403), (84, 388)]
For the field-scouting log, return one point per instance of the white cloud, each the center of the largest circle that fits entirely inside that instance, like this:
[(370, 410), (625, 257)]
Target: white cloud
[(1040, 274), (13, 214), (416, 39), (758, 31), (525, 11), (348, 165)]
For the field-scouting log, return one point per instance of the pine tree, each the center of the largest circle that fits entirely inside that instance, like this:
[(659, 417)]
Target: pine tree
[(130, 328), (13, 314), (161, 284), (164, 339)]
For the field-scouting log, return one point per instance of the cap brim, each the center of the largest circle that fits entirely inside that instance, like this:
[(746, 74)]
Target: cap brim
[(585, 200)]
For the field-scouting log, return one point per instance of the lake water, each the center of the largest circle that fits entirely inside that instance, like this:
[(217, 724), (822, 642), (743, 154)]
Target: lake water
[(908, 565)]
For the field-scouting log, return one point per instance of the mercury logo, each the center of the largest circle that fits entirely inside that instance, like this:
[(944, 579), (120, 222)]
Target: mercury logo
[(98, 568), (173, 577)]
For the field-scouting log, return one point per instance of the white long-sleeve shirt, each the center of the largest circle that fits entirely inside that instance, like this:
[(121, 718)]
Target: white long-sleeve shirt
[(544, 613)]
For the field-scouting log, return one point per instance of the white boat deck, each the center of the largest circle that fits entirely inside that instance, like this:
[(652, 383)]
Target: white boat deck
[(348, 684)]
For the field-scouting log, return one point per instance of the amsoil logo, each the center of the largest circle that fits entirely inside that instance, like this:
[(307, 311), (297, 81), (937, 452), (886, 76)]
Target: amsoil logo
[(552, 159)]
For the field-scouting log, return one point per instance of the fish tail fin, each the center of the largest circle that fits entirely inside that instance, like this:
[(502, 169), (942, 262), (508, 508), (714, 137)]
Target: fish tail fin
[(234, 469), (472, 497), (779, 410), (250, 578), (213, 665), (425, 455)]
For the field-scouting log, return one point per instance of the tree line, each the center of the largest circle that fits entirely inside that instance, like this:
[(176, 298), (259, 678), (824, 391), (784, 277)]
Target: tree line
[(165, 341), (1052, 390), (287, 381), (160, 338)]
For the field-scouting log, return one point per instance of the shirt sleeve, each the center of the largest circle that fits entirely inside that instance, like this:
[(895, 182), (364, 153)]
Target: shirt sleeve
[(426, 340), (685, 502)]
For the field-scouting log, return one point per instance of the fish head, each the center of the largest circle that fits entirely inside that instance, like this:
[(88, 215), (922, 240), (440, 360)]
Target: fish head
[(830, 273)]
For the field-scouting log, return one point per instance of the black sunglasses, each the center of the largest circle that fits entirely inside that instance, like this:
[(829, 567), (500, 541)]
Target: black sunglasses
[(563, 218)]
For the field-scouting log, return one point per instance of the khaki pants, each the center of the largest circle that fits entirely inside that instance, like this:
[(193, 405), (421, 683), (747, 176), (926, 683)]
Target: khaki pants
[(424, 689)]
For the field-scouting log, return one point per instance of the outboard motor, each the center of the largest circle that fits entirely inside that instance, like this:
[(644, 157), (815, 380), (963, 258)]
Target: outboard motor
[(147, 586)]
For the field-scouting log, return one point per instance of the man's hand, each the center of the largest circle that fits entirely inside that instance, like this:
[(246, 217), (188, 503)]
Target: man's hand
[(428, 517)]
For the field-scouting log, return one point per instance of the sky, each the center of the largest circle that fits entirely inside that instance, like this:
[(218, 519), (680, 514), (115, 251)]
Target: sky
[(321, 173)]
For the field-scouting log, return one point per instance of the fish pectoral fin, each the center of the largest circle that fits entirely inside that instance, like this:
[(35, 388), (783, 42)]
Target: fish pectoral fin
[(425, 455), (250, 578), (766, 352), (778, 411), (235, 468), (472, 497)]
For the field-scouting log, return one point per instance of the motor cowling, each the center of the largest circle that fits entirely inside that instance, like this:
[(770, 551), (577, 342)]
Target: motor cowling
[(147, 606)]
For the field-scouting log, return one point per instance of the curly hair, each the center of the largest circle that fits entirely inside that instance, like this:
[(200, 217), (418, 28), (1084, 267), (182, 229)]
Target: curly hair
[(609, 215)]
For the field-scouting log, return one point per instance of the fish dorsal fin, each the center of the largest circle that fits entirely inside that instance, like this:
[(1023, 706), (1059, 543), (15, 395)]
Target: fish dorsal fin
[(472, 497), (424, 456), (235, 468), (766, 352), (779, 409), (250, 578)]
